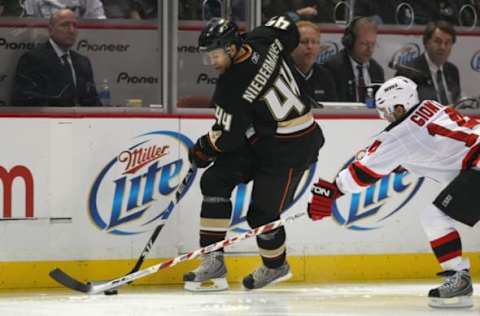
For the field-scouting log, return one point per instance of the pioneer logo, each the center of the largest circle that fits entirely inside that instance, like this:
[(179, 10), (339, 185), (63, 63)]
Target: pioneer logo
[(124, 77), (205, 78), (86, 46), (190, 49), (4, 44)]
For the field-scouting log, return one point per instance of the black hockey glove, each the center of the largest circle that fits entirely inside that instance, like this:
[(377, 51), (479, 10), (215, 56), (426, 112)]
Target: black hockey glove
[(201, 154)]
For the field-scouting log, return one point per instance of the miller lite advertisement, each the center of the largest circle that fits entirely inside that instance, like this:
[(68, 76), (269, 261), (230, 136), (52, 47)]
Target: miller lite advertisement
[(95, 188)]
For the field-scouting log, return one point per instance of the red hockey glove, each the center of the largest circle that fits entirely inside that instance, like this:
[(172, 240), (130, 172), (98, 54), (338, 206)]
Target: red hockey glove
[(324, 193), (201, 154)]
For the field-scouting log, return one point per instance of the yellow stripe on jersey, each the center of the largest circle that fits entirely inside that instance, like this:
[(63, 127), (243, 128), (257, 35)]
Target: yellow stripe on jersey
[(296, 124)]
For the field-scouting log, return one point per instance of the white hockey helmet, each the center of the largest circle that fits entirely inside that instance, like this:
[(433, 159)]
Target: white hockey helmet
[(395, 91)]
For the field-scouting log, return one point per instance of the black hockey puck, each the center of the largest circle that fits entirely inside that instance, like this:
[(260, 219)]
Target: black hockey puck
[(111, 292)]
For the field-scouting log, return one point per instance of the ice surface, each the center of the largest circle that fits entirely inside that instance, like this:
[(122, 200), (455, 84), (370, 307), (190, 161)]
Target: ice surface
[(386, 299)]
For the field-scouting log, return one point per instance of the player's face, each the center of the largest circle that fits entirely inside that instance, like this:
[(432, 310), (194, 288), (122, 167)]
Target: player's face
[(365, 43), (306, 53), (63, 29), (219, 59), (385, 114), (398, 112), (439, 47)]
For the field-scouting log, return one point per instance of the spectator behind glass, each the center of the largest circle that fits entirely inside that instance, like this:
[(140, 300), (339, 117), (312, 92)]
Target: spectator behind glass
[(84, 9), (324, 10), (313, 10), (319, 81), (10, 8), (443, 78), (120, 9), (190, 10), (354, 68), (383, 12), (402, 11), (52, 74), (147, 9)]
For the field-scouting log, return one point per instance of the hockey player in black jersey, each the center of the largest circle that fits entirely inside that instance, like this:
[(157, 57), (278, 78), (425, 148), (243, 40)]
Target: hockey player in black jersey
[(264, 132)]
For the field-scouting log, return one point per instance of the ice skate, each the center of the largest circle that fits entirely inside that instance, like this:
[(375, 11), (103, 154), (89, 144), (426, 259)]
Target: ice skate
[(456, 290), (209, 276), (264, 276)]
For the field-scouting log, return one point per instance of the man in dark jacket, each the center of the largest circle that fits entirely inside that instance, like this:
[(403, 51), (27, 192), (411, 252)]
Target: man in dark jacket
[(441, 78), (318, 80), (52, 74), (353, 67)]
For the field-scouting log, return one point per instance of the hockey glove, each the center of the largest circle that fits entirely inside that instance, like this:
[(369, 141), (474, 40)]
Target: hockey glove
[(324, 194), (201, 154)]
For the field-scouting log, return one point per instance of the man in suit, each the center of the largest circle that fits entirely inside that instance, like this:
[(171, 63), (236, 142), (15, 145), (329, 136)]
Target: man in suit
[(353, 67), (442, 78), (318, 80), (52, 74)]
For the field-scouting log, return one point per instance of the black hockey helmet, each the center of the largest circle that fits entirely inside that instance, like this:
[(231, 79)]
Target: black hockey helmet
[(219, 33)]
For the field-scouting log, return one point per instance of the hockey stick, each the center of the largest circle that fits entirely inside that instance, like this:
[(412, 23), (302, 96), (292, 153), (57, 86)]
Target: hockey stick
[(184, 185), (181, 190), (89, 288)]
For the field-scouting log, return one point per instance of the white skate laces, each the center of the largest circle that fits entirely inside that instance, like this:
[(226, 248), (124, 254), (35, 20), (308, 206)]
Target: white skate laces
[(209, 276), (455, 292)]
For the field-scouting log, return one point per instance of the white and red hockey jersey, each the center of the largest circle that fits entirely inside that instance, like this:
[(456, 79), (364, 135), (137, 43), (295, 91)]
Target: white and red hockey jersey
[(432, 140)]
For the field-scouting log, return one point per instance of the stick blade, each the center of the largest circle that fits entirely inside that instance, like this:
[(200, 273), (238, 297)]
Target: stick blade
[(69, 282)]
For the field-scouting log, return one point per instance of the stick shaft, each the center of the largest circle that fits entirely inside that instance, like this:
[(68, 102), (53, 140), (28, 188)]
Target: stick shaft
[(178, 195), (193, 254)]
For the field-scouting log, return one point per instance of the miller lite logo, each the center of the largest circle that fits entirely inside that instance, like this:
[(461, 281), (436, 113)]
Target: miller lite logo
[(406, 54), (134, 191), (372, 208), (327, 50), (475, 62), (139, 157)]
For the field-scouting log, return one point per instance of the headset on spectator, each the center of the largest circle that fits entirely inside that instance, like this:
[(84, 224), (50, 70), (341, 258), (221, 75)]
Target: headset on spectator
[(349, 35)]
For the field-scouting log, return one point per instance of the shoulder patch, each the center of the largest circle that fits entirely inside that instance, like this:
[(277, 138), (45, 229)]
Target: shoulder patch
[(255, 57)]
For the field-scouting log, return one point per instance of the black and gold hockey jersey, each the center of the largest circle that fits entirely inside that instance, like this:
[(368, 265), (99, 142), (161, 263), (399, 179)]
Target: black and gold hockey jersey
[(260, 99)]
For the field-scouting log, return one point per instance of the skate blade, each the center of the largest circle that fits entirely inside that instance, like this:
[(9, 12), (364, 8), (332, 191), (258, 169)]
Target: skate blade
[(454, 302), (212, 285)]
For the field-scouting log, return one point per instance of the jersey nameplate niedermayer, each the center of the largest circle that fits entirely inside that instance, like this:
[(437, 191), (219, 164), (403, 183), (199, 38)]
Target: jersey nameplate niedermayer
[(264, 73)]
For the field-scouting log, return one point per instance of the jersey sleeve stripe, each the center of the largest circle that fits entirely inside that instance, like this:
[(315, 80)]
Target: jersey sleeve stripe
[(471, 158), (362, 175)]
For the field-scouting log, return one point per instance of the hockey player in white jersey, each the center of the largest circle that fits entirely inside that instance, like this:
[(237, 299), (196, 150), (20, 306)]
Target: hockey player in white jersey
[(431, 140)]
